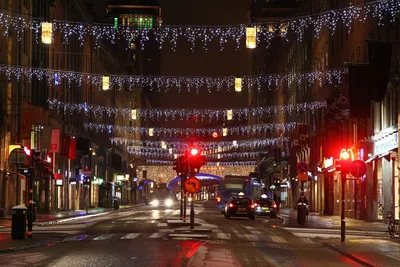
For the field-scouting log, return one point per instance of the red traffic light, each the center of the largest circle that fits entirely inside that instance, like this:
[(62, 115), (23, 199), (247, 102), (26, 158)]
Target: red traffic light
[(194, 151), (345, 155)]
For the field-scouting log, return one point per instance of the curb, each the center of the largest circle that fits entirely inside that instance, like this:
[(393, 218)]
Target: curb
[(348, 255), (36, 245)]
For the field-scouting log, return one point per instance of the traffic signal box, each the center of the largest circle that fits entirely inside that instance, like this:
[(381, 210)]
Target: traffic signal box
[(189, 163), (343, 164)]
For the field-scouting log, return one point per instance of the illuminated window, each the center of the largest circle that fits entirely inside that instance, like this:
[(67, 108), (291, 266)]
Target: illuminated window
[(130, 20), (141, 22), (151, 23), (133, 46), (116, 23)]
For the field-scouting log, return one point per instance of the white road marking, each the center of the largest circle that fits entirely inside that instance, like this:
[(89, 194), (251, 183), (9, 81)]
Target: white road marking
[(130, 236), (104, 237), (252, 237), (278, 239), (223, 236), (157, 235), (162, 225)]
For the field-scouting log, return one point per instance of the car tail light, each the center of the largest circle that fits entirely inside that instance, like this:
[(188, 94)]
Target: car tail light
[(218, 199), (230, 205), (274, 206), (253, 206)]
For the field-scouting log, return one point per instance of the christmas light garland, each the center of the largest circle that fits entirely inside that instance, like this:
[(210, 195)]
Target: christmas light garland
[(163, 154), (207, 145), (233, 163), (159, 83), (172, 132), (156, 114), (204, 34)]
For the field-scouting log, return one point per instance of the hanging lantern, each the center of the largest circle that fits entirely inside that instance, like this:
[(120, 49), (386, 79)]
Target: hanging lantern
[(283, 30), (224, 131), (106, 83), (163, 145), (170, 151), (271, 28), (219, 149), (47, 30), (175, 156), (251, 37), (218, 156), (133, 114), (229, 114), (151, 132), (238, 84), (234, 143), (217, 163)]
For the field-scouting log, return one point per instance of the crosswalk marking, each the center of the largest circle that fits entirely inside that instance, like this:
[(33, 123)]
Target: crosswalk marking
[(104, 237), (157, 235), (162, 225), (166, 230), (76, 238), (252, 237), (223, 236), (306, 240), (130, 236), (255, 232), (130, 222), (278, 239), (248, 227)]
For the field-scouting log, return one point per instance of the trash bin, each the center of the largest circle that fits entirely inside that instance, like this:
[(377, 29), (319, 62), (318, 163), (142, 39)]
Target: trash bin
[(18, 223), (116, 204), (34, 211)]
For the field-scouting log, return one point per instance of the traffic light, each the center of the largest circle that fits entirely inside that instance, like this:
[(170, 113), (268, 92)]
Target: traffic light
[(183, 165), (176, 166), (277, 182), (343, 164), (196, 160), (86, 180)]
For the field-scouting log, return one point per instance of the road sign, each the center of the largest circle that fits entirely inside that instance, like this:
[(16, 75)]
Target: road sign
[(302, 176), (358, 168), (17, 156), (302, 167), (192, 185)]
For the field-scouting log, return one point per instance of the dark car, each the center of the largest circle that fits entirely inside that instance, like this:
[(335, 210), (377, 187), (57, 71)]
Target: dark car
[(240, 207), (266, 206)]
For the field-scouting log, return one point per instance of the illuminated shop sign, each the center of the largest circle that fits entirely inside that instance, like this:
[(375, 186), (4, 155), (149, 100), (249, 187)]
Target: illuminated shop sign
[(386, 144)]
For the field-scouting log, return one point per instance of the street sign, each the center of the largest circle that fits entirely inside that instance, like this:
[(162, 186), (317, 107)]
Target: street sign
[(192, 185), (358, 168), (302, 176), (302, 167), (17, 156)]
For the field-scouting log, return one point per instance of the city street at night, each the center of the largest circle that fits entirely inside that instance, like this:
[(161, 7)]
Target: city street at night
[(143, 237), (199, 133)]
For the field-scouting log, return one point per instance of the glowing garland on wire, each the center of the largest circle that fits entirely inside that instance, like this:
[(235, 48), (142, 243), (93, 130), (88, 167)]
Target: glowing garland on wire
[(132, 82), (181, 146), (184, 114), (204, 34), (238, 130), (233, 163), (166, 155)]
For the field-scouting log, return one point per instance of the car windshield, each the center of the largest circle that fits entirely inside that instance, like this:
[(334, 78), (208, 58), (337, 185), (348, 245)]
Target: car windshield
[(266, 201), (241, 201)]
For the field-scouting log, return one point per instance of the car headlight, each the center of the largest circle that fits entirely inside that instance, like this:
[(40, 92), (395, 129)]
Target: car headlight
[(168, 202), (155, 203)]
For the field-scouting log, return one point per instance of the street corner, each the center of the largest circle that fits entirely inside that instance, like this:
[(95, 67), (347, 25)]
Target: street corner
[(8, 245)]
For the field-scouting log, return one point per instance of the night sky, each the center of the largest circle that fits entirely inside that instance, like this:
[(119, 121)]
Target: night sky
[(183, 62)]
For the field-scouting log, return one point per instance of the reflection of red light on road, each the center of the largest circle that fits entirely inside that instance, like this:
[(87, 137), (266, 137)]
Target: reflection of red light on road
[(273, 226), (188, 250), (193, 250)]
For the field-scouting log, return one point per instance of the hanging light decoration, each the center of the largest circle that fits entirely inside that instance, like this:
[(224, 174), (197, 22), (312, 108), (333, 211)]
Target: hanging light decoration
[(163, 145), (234, 143), (251, 37), (175, 156), (283, 30), (271, 28), (224, 131), (238, 84), (151, 131), (229, 114), (134, 114), (106, 83), (170, 150), (47, 32)]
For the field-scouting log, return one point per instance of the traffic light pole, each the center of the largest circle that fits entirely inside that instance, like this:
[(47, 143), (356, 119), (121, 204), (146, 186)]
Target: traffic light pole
[(342, 216), (182, 194), (30, 198), (192, 213), (184, 206)]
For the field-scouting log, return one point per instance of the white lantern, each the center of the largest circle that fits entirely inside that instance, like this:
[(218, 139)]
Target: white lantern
[(251, 37), (234, 143), (106, 83), (133, 113), (229, 114), (151, 132), (175, 156), (47, 30), (170, 151), (238, 84), (224, 132)]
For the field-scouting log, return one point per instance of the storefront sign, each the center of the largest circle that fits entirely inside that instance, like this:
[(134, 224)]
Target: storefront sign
[(327, 163), (386, 144), (59, 182)]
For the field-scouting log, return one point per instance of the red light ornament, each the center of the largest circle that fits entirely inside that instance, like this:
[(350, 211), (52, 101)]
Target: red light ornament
[(214, 135)]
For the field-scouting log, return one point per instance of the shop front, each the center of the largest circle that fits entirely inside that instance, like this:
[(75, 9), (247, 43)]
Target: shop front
[(325, 187), (383, 163)]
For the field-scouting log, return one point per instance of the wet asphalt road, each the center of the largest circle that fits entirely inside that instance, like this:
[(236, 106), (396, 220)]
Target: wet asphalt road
[(142, 237)]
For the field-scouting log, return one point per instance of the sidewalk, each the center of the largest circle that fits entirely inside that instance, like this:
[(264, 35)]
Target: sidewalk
[(55, 216), (317, 221), (7, 244)]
